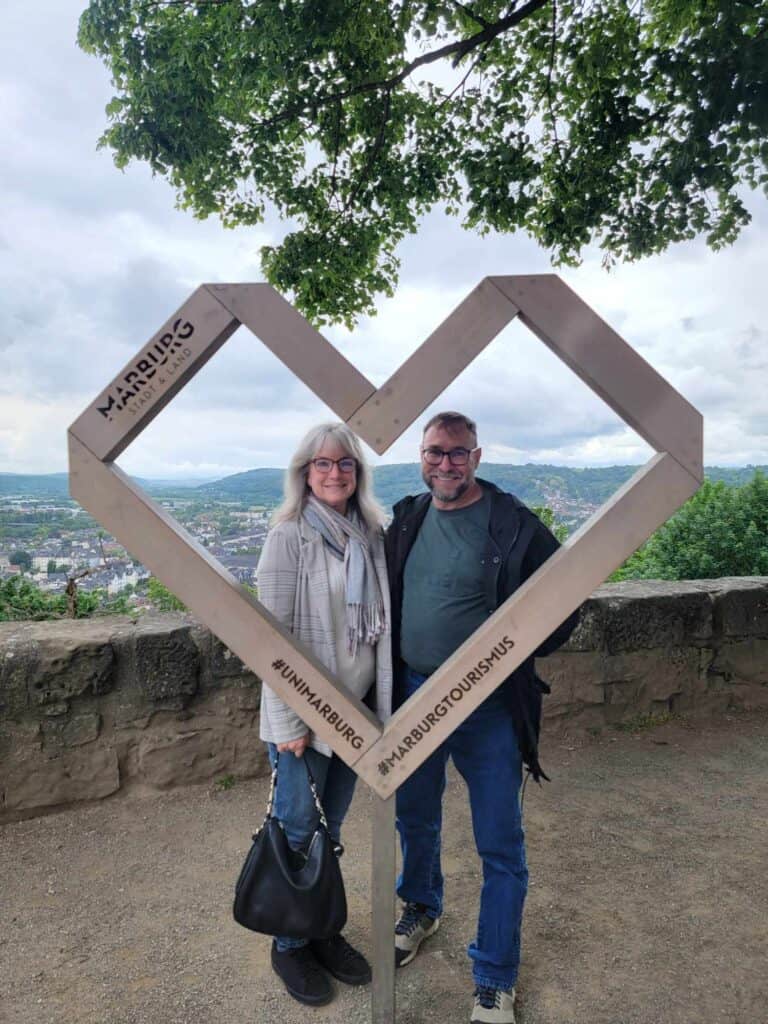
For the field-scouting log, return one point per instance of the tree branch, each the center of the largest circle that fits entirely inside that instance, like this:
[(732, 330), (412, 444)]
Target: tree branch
[(373, 153), (458, 49), (74, 578), (550, 70), (149, 4), (471, 14), (336, 142), (460, 85)]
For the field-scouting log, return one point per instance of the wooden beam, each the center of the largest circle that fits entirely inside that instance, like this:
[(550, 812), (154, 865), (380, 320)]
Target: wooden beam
[(433, 366), (297, 344), (609, 366), (157, 373)]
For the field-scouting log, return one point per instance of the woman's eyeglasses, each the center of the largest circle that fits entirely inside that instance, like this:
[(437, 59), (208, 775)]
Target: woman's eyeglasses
[(346, 465)]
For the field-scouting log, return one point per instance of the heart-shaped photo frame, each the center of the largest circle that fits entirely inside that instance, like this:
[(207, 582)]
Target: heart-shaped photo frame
[(385, 755)]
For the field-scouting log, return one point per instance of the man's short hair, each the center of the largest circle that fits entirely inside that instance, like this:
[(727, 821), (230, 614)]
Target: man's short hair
[(453, 421)]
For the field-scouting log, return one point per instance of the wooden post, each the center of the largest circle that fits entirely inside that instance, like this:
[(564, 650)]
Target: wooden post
[(383, 910)]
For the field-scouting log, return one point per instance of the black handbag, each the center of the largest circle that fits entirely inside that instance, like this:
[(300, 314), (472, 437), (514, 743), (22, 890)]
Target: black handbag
[(295, 893)]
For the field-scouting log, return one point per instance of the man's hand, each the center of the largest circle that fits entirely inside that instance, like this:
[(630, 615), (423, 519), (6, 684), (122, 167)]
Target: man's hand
[(296, 747)]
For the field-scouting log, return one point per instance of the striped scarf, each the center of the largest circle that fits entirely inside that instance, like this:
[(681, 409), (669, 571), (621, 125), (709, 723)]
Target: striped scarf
[(346, 539)]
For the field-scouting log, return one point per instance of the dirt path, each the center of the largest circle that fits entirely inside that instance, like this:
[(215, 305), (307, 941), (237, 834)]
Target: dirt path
[(648, 902)]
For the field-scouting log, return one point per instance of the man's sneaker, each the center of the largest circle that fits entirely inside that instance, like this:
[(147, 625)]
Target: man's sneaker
[(302, 975), (493, 1006), (410, 931), (342, 960)]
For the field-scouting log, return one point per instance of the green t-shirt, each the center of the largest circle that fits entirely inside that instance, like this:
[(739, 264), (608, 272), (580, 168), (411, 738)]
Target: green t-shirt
[(443, 586)]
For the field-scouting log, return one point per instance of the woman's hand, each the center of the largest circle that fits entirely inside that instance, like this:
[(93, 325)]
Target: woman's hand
[(296, 747)]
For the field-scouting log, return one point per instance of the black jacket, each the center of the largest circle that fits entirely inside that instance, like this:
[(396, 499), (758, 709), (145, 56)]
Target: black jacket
[(518, 543)]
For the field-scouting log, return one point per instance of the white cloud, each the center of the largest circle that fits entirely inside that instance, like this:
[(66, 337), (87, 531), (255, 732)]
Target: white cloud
[(94, 261)]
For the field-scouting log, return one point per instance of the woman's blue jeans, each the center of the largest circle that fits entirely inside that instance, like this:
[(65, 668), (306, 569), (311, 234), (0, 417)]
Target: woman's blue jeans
[(295, 808), (485, 751)]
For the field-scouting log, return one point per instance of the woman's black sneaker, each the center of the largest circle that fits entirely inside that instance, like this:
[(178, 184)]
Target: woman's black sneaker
[(302, 975), (342, 960)]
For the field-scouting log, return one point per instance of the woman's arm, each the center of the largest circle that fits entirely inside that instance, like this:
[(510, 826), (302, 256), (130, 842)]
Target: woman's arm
[(278, 574)]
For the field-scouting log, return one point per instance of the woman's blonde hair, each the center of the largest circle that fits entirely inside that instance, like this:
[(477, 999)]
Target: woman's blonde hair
[(295, 489)]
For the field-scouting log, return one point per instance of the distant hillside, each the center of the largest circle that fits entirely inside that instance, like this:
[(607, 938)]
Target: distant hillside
[(257, 486), (56, 485), (47, 485), (734, 476), (535, 485), (532, 484), (573, 493), (560, 486)]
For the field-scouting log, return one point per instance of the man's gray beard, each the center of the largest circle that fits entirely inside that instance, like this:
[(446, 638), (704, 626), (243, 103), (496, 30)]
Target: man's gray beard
[(460, 491)]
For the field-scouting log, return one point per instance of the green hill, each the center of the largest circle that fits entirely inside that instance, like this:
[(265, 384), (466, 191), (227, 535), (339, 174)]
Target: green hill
[(576, 490), (56, 485), (29, 485), (255, 486), (573, 493)]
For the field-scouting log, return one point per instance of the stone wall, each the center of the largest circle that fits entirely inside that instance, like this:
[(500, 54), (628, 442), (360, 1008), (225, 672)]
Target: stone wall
[(91, 707), (644, 648)]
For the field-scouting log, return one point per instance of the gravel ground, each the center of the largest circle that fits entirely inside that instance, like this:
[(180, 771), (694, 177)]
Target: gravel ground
[(648, 856)]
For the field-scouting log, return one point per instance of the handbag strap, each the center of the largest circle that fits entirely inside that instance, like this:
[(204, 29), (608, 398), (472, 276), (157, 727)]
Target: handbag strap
[(312, 786)]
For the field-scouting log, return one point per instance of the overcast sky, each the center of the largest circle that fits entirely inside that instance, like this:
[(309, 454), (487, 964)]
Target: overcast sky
[(93, 261)]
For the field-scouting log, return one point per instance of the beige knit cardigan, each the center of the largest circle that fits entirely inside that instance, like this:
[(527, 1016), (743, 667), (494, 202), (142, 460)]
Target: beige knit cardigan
[(294, 586)]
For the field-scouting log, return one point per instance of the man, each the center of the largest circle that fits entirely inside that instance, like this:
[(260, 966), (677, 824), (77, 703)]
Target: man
[(455, 554)]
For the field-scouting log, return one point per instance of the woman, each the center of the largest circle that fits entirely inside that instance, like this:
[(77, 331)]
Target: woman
[(322, 574)]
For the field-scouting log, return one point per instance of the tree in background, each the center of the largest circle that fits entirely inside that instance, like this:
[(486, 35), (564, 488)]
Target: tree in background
[(22, 559), (633, 125), (20, 599), (720, 531), (547, 516)]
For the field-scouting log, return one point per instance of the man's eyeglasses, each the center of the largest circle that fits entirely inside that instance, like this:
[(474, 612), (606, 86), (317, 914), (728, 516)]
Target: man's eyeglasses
[(456, 456), (346, 465)]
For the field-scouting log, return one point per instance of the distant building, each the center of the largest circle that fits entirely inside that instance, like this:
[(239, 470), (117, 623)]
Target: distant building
[(120, 581), (53, 583), (242, 567), (96, 581)]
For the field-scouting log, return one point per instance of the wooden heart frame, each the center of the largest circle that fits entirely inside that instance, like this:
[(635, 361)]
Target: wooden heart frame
[(385, 754)]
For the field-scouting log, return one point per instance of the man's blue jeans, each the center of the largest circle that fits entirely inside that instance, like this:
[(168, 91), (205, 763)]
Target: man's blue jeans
[(485, 751), (295, 808)]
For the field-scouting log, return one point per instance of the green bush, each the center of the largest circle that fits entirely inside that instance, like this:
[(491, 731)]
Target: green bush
[(162, 598), (21, 599), (547, 516), (720, 531)]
